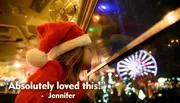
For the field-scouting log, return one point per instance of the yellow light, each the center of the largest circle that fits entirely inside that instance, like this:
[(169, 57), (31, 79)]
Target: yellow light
[(110, 70), (7, 66), (116, 75), (72, 21), (117, 84), (150, 52), (112, 92), (96, 18), (50, 10), (17, 65), (159, 95), (169, 45), (172, 16), (172, 41), (177, 40), (76, 1)]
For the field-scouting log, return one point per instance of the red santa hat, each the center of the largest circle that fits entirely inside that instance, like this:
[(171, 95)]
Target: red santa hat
[(56, 39)]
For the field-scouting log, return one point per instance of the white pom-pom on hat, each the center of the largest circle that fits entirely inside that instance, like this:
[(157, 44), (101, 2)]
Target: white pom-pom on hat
[(36, 58)]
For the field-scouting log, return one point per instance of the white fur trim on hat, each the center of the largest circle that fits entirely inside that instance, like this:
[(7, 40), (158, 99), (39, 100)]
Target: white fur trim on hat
[(69, 45), (36, 58)]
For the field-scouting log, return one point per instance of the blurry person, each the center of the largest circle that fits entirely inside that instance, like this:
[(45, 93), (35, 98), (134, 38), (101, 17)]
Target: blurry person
[(61, 56)]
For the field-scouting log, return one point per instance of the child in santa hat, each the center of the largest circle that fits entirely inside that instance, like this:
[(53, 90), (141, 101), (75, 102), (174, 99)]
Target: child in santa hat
[(61, 56)]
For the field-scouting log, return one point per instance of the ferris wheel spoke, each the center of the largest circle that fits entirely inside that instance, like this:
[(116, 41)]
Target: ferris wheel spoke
[(127, 60), (145, 73), (123, 70), (149, 63), (123, 62), (133, 58), (130, 59), (144, 56), (123, 74), (146, 60), (150, 71), (130, 73), (119, 65), (140, 55), (123, 66), (131, 76), (136, 57), (151, 67)]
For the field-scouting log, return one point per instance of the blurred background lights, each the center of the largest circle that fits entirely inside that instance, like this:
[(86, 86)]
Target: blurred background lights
[(178, 78), (106, 7), (133, 89), (11, 78), (103, 7), (91, 29), (72, 21), (159, 95), (50, 10), (116, 75), (162, 81), (172, 41), (109, 86), (169, 45), (112, 92), (141, 95), (17, 65), (96, 18), (117, 84), (177, 40)]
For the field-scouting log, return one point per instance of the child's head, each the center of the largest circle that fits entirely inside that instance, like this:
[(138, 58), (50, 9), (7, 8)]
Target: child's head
[(64, 41)]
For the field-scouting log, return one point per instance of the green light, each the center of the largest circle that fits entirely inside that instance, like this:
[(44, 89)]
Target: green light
[(91, 29)]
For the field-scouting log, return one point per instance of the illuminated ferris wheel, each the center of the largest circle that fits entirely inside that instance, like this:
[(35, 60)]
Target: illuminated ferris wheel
[(138, 64)]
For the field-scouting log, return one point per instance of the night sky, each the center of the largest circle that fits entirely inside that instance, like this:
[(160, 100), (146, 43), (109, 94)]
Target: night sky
[(133, 17)]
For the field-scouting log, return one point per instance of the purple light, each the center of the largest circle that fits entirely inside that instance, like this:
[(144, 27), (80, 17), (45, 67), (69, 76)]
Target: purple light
[(103, 7), (106, 7)]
